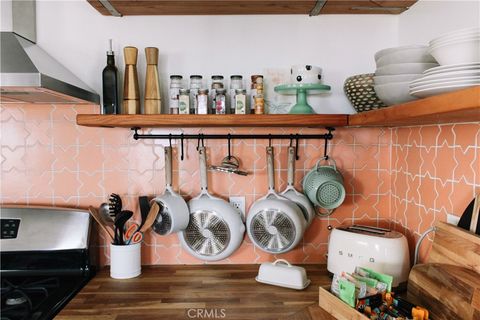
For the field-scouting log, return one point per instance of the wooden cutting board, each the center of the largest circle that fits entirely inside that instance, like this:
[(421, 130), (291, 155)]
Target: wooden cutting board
[(447, 291)]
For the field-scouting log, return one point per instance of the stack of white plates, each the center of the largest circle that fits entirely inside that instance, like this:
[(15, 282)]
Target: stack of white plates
[(396, 68), (445, 79), (458, 53), (457, 47)]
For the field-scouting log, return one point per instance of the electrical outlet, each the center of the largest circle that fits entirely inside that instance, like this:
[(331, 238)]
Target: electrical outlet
[(451, 219), (239, 203)]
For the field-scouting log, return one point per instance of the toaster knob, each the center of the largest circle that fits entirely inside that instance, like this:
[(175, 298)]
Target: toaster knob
[(340, 252), (372, 260), (350, 255)]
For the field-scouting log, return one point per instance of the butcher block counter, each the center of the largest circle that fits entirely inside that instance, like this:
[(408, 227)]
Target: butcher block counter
[(196, 292)]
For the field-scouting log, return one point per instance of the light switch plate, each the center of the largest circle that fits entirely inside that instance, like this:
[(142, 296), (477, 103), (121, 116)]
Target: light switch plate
[(239, 203), (452, 219)]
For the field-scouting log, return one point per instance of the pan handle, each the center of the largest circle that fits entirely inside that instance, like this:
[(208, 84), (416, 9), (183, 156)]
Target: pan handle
[(203, 168), (271, 179), (291, 166), (168, 166)]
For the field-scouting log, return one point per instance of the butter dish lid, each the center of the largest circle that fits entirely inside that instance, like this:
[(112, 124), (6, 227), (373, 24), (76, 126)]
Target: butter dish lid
[(282, 273)]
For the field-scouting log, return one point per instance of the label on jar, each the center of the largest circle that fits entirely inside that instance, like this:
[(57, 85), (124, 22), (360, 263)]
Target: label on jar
[(173, 101), (184, 104), (193, 100), (220, 104), (202, 104), (253, 93), (240, 104)]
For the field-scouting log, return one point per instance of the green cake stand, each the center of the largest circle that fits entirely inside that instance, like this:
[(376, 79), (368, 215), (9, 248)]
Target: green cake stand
[(300, 89)]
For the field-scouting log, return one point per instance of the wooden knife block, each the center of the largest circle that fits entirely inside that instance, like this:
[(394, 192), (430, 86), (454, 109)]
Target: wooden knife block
[(449, 284)]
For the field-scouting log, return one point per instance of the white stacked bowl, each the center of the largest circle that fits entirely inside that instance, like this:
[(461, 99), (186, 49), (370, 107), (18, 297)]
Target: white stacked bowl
[(457, 47), (396, 68)]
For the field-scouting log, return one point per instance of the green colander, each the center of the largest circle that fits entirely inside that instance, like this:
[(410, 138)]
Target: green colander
[(323, 185)]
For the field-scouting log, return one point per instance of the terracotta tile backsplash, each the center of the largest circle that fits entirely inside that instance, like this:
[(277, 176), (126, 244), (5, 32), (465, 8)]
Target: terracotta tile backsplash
[(412, 176)]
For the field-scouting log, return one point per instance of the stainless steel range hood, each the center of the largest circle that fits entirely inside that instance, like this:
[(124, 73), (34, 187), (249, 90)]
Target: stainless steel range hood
[(28, 73)]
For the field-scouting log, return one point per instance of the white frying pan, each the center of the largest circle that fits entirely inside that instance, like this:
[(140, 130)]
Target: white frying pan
[(290, 193), (275, 224), (173, 215), (216, 229)]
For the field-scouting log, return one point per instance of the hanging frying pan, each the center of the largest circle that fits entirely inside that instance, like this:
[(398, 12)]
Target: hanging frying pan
[(290, 193), (173, 215), (216, 229), (275, 224)]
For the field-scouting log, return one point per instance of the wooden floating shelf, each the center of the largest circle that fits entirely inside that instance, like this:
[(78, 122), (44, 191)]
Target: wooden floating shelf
[(212, 120), (248, 7), (457, 106)]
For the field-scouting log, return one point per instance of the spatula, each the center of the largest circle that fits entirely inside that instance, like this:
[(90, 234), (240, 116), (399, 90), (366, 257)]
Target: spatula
[(96, 215)]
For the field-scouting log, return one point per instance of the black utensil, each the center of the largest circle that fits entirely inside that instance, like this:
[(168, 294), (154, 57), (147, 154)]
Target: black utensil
[(120, 221), (144, 209), (466, 218), (114, 204)]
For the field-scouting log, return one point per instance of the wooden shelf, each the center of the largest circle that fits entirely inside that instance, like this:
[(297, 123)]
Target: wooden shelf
[(248, 7), (212, 120), (458, 106)]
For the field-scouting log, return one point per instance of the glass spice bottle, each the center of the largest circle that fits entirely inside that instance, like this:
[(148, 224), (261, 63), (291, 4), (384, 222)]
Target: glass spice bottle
[(240, 101), (220, 102), (195, 85), (236, 82), (217, 83), (184, 101), (202, 101), (175, 85)]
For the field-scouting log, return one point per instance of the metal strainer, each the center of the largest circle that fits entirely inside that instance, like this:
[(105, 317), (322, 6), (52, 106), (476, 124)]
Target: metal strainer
[(323, 185)]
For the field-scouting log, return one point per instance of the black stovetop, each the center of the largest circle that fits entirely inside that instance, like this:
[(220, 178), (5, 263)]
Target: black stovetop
[(37, 285)]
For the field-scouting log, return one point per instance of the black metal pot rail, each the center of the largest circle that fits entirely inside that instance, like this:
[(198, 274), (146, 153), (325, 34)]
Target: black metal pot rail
[(201, 137)]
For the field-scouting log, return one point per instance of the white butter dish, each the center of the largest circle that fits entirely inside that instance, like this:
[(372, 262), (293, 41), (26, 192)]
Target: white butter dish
[(281, 273)]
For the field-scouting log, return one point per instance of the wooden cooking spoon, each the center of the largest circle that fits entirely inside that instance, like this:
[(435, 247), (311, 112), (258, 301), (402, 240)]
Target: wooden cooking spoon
[(152, 215)]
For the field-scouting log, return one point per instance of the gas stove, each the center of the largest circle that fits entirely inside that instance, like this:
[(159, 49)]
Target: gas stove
[(45, 260)]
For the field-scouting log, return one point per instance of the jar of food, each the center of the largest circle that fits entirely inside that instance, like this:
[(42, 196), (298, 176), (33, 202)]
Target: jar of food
[(195, 85), (253, 91), (220, 102), (259, 97), (184, 101), (202, 101), (240, 101), (236, 82), (217, 83), (175, 85)]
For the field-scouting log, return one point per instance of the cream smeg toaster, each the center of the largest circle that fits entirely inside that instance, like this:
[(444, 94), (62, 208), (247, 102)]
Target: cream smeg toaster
[(379, 249)]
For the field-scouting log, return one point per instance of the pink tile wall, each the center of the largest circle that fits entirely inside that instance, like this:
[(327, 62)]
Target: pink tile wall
[(435, 170), (413, 176), (47, 159)]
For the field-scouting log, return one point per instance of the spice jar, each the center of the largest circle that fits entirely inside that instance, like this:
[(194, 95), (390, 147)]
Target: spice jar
[(195, 85), (220, 102), (236, 82), (184, 101), (175, 85), (253, 91), (217, 83), (240, 101), (202, 101)]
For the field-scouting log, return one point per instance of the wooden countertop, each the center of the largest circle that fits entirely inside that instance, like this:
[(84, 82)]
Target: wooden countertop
[(184, 291)]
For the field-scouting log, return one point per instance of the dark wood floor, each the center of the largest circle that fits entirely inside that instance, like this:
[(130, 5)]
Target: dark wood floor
[(196, 292)]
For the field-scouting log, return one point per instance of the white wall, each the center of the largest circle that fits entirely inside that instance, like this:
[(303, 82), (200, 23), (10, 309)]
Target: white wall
[(343, 45), (429, 19)]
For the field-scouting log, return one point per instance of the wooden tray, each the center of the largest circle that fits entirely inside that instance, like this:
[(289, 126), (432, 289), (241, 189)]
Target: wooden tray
[(337, 308)]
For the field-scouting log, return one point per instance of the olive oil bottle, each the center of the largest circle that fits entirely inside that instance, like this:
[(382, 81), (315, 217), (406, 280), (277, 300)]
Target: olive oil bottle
[(110, 84)]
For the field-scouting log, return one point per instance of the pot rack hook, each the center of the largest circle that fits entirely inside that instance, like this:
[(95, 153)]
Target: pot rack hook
[(181, 146), (229, 138), (270, 140), (200, 139), (296, 146), (170, 140)]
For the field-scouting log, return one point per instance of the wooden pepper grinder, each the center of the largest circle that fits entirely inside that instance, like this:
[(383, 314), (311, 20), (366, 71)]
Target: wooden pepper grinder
[(152, 105), (131, 93)]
